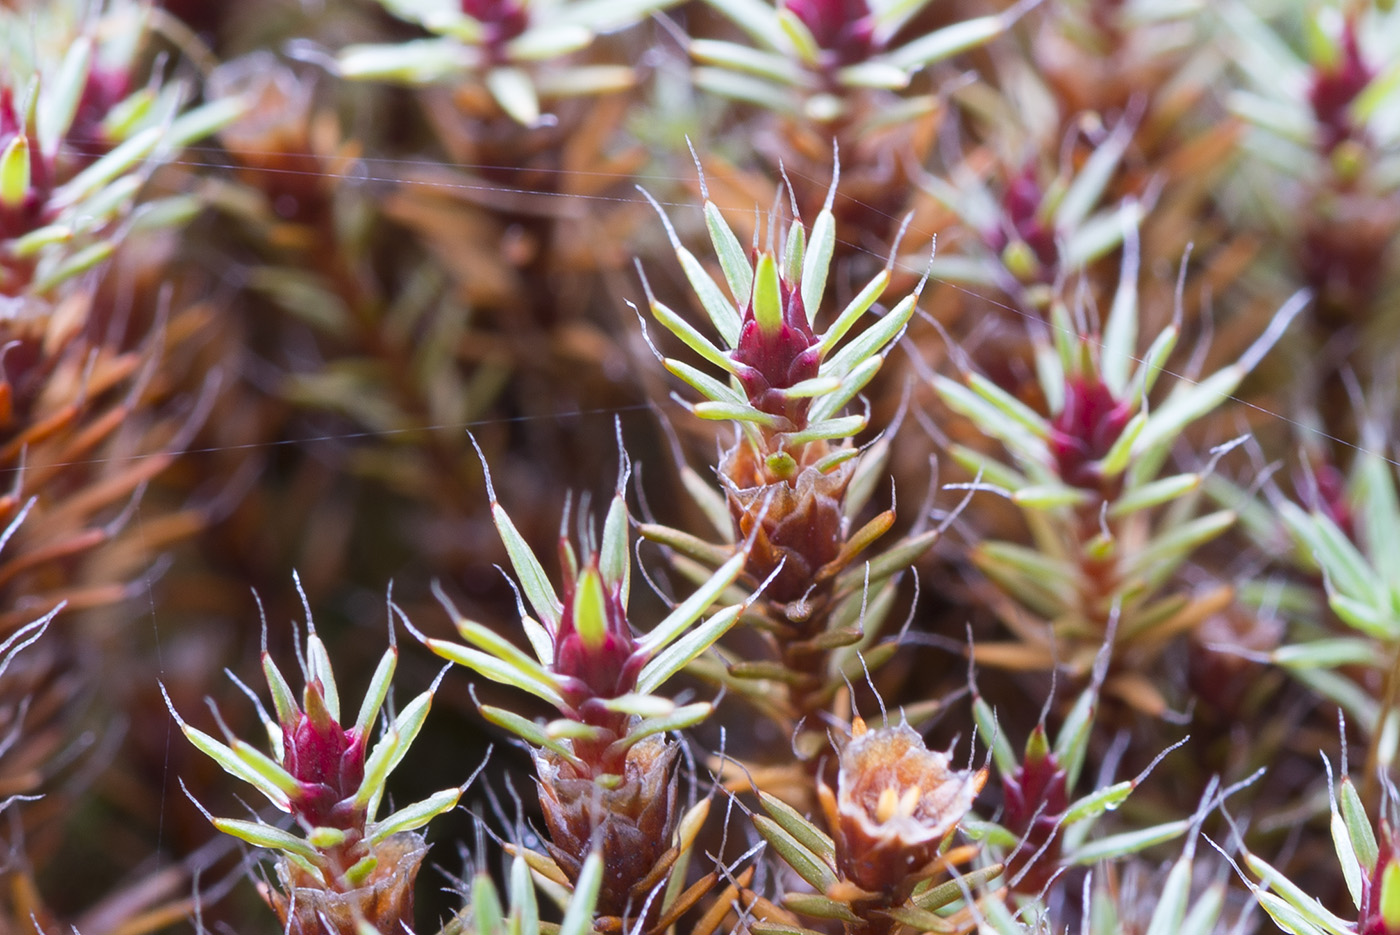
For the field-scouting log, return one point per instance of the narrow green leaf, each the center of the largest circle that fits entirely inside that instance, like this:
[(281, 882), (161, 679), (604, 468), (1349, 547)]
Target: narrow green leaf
[(578, 917), (682, 718), (816, 265), (1346, 855), (487, 913), (690, 609), (615, 558), (1009, 406), (806, 833), (14, 173), (1363, 838), (1153, 494), (795, 854), (1167, 918), (528, 730), (946, 42), (1099, 801), (675, 656), (55, 113), (390, 750), (733, 260), (827, 405), (1129, 842), (820, 907), (857, 307), (496, 670), (533, 581), (767, 303), (590, 609), (262, 835), (376, 693), (414, 816), (546, 41), (512, 89), (841, 427), (691, 337), (723, 314)]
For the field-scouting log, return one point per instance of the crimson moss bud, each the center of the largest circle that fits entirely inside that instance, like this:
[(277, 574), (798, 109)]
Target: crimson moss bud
[(1034, 800), (1085, 430)]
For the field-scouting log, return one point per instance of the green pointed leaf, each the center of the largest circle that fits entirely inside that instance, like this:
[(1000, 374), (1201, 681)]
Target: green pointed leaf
[(684, 717), (14, 173), (1129, 842), (691, 337), (796, 855), (578, 917), (1099, 801), (1363, 838), (820, 907), (816, 264), (414, 816), (376, 693), (946, 42), (497, 670), (690, 609), (723, 315), (857, 307), (675, 656), (590, 609), (533, 581), (1172, 899), (828, 405), (515, 93), (546, 41), (1154, 494), (767, 303), (529, 731), (806, 833), (262, 835), (487, 914), (390, 750), (733, 260), (1346, 856)]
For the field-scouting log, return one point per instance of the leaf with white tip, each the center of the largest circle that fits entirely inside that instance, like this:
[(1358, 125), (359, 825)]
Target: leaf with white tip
[(855, 308), (732, 258), (376, 693), (414, 816), (946, 42), (263, 835), (389, 752), (692, 338), (816, 265), (533, 581), (690, 609), (675, 656), (497, 670), (529, 731)]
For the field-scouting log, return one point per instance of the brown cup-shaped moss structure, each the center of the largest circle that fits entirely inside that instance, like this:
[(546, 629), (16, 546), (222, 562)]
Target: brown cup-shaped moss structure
[(799, 520), (384, 901), (632, 821), (895, 803)]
